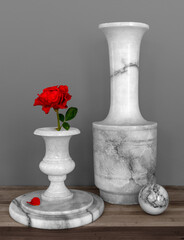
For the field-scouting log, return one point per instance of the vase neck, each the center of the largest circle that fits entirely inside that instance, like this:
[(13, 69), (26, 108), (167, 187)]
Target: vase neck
[(57, 142), (124, 47), (57, 148)]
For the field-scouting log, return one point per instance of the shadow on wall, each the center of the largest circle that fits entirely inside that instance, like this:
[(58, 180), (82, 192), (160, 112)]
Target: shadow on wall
[(165, 149)]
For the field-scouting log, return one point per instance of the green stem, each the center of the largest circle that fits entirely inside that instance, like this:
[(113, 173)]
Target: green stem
[(58, 122)]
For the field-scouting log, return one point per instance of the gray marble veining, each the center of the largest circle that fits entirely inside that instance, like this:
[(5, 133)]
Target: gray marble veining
[(125, 144), (59, 207), (153, 199), (124, 69), (124, 161), (82, 209), (16, 203)]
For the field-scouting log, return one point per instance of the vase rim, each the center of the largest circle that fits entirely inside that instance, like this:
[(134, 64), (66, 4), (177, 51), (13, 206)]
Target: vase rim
[(124, 24), (148, 125), (51, 131)]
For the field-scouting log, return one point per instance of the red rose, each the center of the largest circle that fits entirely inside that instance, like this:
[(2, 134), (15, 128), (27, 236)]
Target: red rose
[(53, 97)]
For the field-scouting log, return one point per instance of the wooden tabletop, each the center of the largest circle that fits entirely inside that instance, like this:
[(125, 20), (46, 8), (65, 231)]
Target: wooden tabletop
[(117, 222)]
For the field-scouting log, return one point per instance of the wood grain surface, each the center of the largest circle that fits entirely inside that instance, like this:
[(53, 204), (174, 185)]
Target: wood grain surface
[(117, 222)]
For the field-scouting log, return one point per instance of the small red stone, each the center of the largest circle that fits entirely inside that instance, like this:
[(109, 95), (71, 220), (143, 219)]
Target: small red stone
[(35, 201)]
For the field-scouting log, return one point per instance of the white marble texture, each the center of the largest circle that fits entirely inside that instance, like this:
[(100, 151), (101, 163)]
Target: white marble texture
[(124, 161), (80, 210), (59, 207), (125, 144), (153, 199), (57, 162), (124, 41)]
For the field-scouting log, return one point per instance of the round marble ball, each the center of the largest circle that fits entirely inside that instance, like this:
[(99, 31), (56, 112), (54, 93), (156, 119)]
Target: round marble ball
[(153, 199)]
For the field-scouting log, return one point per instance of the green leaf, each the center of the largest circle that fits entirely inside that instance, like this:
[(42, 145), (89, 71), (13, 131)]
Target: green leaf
[(71, 113), (61, 117), (66, 125)]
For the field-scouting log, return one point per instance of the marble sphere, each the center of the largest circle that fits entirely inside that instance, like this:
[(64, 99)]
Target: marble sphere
[(153, 199)]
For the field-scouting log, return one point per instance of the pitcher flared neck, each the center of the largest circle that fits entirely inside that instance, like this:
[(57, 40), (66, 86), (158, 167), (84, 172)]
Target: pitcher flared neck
[(124, 24), (124, 39)]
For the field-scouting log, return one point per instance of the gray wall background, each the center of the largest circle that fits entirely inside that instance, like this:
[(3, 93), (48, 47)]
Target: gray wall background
[(49, 42)]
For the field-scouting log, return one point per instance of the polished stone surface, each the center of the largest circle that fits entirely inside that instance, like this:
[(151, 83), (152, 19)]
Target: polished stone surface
[(60, 207), (124, 161), (125, 144), (80, 210), (153, 199), (124, 39), (57, 162)]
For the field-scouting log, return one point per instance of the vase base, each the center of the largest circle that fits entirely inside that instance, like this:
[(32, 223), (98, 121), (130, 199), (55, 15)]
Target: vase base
[(82, 209), (123, 199)]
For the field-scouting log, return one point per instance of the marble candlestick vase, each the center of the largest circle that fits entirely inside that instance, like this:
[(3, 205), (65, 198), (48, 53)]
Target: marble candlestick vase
[(125, 144), (59, 207)]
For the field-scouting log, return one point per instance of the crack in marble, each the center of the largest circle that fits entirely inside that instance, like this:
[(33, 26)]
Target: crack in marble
[(115, 145), (129, 160), (87, 210), (18, 205), (124, 69), (124, 159)]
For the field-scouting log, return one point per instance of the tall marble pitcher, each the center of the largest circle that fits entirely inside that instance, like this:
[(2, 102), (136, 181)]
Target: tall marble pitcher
[(125, 144)]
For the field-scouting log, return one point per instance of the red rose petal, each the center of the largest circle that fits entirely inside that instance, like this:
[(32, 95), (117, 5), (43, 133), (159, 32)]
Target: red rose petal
[(37, 102), (35, 201), (63, 88), (46, 109), (53, 97)]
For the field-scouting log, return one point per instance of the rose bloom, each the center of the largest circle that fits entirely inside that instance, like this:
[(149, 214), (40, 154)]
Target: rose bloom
[(53, 97)]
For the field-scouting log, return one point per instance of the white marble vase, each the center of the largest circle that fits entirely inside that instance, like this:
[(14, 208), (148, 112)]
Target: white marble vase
[(125, 144), (59, 207)]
